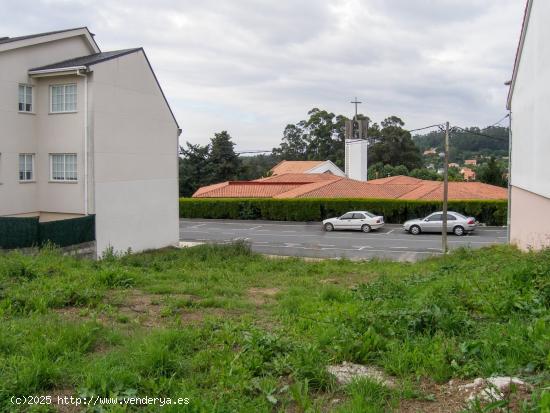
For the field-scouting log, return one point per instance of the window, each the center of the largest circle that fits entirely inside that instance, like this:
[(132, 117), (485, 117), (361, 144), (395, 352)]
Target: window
[(449, 217), (63, 98), (25, 98), (347, 216), (63, 167), (26, 167), (435, 217), (358, 216)]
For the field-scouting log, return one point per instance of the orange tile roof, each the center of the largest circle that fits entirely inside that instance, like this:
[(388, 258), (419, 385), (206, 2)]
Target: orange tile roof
[(285, 167), (299, 178), (330, 186), (245, 189), (467, 190), (397, 180)]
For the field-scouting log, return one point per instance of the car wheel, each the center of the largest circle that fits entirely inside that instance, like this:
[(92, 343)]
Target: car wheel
[(366, 228), (458, 230), (415, 230), (329, 227)]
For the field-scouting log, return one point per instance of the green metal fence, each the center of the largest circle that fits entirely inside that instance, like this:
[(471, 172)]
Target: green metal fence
[(29, 232)]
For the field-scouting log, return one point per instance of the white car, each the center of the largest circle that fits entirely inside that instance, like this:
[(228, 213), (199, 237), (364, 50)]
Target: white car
[(358, 220)]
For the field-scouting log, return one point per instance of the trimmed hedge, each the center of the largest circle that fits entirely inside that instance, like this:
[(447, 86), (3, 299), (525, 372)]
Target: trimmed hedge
[(29, 232), (396, 211)]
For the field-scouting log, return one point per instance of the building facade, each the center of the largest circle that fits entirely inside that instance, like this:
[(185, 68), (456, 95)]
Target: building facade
[(529, 105), (87, 132)]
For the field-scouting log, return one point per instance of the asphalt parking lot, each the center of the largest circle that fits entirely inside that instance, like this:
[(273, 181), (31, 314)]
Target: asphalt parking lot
[(309, 240)]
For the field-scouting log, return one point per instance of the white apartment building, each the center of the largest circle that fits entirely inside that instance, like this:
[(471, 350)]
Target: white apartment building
[(529, 105), (87, 132)]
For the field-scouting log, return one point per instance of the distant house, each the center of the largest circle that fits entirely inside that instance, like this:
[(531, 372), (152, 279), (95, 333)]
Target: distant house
[(468, 174), (454, 165), (472, 162), (85, 131), (306, 167), (529, 105), (300, 185), (431, 151)]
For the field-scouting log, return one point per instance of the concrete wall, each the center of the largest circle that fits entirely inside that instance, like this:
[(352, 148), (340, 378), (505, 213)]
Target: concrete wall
[(22, 132), (530, 220), (135, 157), (530, 107)]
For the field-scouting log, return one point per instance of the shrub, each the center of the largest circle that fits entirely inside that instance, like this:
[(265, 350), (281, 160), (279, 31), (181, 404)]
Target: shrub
[(396, 211)]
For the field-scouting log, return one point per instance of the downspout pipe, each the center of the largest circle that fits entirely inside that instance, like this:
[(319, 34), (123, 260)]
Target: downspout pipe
[(85, 75), (509, 216)]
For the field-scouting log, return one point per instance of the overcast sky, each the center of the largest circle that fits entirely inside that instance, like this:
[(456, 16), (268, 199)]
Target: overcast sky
[(253, 66)]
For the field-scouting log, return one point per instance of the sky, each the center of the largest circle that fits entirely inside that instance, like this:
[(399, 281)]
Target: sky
[(253, 66)]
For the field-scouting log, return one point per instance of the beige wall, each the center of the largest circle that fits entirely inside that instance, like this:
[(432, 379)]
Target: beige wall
[(23, 133), (134, 142), (530, 222)]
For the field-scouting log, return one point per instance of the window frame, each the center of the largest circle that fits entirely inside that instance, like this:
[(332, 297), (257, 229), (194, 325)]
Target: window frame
[(347, 213), (64, 86), (25, 95), (65, 179), (25, 170)]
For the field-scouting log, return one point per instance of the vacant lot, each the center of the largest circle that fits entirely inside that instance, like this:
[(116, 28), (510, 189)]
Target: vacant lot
[(236, 332)]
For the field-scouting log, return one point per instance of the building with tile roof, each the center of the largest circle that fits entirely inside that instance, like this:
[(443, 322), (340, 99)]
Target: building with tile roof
[(306, 167), (329, 186)]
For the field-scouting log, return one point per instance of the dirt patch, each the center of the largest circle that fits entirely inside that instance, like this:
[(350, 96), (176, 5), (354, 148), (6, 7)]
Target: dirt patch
[(261, 296), (455, 396), (144, 308)]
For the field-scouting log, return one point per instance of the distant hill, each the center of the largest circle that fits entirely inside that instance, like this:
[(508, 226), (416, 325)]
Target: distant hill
[(468, 144)]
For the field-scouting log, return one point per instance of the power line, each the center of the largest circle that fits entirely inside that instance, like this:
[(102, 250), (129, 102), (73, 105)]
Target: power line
[(496, 123), (426, 127)]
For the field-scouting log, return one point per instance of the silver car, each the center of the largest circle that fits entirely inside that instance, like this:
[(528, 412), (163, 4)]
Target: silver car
[(456, 223), (358, 220)]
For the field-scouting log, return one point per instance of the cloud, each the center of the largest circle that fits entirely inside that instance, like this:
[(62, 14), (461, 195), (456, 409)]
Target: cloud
[(253, 66)]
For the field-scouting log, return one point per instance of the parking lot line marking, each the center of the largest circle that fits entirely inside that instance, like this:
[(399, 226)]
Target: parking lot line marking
[(400, 248), (390, 231), (326, 245)]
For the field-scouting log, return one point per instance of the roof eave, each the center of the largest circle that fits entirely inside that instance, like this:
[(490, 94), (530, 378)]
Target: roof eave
[(60, 71), (52, 36)]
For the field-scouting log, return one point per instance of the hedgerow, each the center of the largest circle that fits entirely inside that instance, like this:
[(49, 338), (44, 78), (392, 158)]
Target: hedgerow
[(490, 212)]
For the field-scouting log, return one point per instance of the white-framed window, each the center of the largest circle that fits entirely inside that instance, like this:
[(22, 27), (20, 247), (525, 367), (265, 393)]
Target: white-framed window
[(63, 167), (63, 98), (26, 167), (25, 98)]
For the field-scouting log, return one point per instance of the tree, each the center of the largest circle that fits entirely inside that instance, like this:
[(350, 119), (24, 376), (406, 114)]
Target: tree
[(257, 166), (394, 145), (425, 173), (209, 164), (224, 162), (194, 168), (492, 173)]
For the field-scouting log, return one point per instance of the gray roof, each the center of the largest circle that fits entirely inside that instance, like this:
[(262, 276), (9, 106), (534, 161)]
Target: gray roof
[(88, 60), (14, 39)]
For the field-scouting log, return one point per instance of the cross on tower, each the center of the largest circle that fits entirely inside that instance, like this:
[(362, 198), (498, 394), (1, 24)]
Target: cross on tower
[(356, 102)]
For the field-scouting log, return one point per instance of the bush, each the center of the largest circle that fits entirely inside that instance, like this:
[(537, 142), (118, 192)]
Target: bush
[(396, 211)]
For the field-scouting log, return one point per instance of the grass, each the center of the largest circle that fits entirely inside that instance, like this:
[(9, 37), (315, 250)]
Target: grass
[(234, 331)]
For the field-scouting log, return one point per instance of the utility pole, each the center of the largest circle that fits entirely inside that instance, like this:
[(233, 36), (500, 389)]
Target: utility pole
[(444, 247)]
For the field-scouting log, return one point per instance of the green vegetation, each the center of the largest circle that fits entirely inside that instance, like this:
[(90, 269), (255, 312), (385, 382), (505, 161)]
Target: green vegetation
[(234, 331), (395, 211)]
